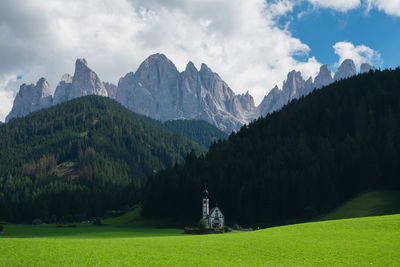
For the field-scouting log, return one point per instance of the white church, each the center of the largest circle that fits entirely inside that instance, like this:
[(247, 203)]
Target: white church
[(215, 219)]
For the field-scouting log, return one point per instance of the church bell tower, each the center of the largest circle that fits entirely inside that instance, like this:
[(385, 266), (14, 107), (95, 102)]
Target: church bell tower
[(206, 204)]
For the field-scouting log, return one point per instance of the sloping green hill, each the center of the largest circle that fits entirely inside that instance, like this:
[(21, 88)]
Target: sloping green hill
[(81, 158), (367, 204), (371, 241)]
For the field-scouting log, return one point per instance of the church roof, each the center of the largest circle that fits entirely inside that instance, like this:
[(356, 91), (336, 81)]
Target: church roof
[(213, 209)]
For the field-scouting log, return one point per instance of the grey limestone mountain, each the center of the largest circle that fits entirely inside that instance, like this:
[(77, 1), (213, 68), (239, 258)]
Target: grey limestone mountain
[(294, 86), (158, 90), (85, 81), (111, 90), (63, 89), (31, 98), (345, 70), (269, 103), (365, 67), (323, 78)]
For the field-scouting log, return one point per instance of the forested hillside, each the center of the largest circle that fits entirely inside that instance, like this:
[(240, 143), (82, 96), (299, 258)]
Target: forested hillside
[(301, 161), (81, 158), (199, 131)]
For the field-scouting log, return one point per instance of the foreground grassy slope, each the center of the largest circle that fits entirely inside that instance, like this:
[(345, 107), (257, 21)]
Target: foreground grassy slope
[(367, 204), (363, 241)]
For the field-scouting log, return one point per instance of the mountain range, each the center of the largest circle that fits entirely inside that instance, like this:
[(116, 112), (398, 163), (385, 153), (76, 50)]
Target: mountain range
[(158, 90)]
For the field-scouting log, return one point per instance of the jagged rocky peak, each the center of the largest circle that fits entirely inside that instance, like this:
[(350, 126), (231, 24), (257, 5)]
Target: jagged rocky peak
[(31, 98), (125, 89), (85, 81), (66, 78), (155, 88), (269, 101), (63, 89), (81, 63), (324, 77), (345, 70), (191, 68), (43, 85), (293, 84), (156, 68), (112, 90), (215, 85), (207, 75), (246, 101), (365, 67)]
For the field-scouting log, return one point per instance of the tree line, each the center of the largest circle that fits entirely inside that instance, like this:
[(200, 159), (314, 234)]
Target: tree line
[(301, 161)]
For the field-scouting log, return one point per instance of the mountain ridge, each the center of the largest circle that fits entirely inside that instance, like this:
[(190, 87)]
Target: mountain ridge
[(158, 90)]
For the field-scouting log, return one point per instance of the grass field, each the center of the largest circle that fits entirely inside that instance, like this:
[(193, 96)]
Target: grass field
[(361, 242), (374, 203)]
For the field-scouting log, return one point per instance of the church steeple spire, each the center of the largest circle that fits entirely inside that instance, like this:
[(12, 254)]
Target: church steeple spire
[(206, 204)]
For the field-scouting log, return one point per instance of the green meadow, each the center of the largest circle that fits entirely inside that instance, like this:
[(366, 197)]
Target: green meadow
[(361, 242)]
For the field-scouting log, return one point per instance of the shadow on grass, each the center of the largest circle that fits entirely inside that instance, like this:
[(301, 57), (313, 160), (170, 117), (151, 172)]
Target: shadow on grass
[(84, 231)]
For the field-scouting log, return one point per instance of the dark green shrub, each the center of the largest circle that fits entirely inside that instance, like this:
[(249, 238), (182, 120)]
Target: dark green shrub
[(227, 229), (1, 228), (202, 225), (237, 227)]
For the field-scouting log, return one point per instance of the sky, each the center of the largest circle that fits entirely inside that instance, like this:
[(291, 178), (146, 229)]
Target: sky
[(251, 44)]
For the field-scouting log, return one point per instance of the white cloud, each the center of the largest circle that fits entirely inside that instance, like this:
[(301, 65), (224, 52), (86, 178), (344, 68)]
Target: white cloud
[(359, 54), (391, 7), (7, 93), (238, 39), (339, 5)]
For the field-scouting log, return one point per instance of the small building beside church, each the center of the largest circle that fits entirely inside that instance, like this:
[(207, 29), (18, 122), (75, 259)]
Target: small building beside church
[(215, 219)]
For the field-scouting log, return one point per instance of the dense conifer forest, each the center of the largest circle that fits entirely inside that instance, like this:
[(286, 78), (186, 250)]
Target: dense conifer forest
[(199, 131), (80, 159), (299, 162)]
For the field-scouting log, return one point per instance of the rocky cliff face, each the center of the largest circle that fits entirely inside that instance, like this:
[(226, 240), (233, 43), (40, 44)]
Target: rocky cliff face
[(323, 78), (293, 87), (111, 90), (31, 98), (345, 70), (269, 103), (160, 91), (365, 67), (63, 89), (85, 81)]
